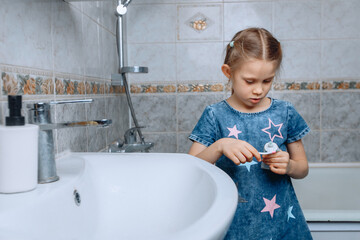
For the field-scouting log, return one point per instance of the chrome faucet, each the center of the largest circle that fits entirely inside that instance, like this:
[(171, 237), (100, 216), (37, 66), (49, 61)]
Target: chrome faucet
[(130, 144), (130, 135), (39, 114)]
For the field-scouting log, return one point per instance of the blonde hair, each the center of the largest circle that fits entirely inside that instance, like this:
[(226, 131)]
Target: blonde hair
[(253, 43)]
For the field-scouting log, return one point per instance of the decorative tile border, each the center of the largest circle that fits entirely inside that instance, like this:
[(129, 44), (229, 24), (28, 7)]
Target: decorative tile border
[(325, 85), (28, 84), (13, 83), (296, 86), (173, 88), (216, 87), (88, 87), (221, 87), (152, 88), (341, 85)]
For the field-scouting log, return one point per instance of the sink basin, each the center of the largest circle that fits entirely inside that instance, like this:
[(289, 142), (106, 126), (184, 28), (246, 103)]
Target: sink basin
[(124, 196)]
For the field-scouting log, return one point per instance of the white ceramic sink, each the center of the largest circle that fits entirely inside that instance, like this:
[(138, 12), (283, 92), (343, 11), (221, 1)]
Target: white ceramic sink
[(124, 196)]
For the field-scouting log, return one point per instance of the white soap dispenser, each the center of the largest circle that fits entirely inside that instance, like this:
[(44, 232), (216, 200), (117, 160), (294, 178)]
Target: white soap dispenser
[(18, 151)]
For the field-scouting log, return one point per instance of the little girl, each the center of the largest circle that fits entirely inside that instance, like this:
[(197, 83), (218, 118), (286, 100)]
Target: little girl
[(231, 134)]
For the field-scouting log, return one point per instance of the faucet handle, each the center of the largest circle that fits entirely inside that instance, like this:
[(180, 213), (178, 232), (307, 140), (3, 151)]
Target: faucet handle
[(42, 106), (130, 135), (73, 101)]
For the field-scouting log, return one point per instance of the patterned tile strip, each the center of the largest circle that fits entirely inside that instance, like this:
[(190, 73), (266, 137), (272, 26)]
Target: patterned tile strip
[(25, 84), (343, 85), (28, 84)]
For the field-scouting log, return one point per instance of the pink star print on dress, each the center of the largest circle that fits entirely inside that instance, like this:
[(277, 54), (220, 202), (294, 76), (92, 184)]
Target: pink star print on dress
[(278, 126), (270, 206), (233, 132)]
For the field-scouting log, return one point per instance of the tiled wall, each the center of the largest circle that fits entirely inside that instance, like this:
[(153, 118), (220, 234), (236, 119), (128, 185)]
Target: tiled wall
[(54, 50), (183, 42)]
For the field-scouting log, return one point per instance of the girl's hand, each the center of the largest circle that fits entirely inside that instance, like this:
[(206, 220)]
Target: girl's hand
[(278, 162), (238, 151)]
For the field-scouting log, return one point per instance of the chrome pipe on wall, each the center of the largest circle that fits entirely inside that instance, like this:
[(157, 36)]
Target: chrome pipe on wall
[(120, 12)]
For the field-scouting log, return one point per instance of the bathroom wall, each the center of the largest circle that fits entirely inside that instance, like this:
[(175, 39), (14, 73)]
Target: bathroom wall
[(320, 72), (54, 50)]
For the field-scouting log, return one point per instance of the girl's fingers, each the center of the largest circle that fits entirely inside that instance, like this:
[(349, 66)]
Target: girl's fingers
[(241, 157), (278, 168), (254, 152), (279, 165), (234, 159), (248, 155), (280, 171)]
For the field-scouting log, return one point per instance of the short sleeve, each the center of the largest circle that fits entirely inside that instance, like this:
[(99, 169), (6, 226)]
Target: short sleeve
[(205, 130), (297, 127)]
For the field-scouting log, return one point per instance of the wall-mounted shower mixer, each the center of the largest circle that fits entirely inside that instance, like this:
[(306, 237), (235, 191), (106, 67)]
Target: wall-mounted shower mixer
[(119, 79)]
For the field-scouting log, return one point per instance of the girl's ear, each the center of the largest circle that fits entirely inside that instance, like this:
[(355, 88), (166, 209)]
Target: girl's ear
[(226, 70)]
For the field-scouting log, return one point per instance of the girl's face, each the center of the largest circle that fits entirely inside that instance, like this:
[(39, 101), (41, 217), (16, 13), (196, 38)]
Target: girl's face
[(251, 83)]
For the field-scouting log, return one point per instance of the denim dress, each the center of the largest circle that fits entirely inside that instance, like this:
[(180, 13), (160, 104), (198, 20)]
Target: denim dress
[(268, 207)]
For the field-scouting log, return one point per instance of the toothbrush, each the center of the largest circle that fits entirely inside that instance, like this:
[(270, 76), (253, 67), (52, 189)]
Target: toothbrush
[(266, 153), (270, 148)]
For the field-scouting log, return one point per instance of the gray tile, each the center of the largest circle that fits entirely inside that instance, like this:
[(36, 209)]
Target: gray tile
[(157, 113), (70, 112), (291, 23), (93, 9), (199, 61), (190, 108), (340, 110), (91, 44), (164, 142), (184, 143), (160, 58), (333, 62), (117, 111), (67, 31), (96, 139), (97, 136), (26, 38), (71, 139), (113, 103), (107, 18), (341, 19), (96, 109), (108, 53), (151, 23), (312, 146), (302, 60), (124, 113), (340, 146), (238, 16), (307, 104)]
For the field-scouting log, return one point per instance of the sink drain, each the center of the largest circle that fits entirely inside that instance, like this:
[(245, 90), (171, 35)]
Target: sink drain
[(77, 198)]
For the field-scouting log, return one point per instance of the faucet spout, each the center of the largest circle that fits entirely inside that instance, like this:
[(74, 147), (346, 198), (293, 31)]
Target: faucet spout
[(92, 123)]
